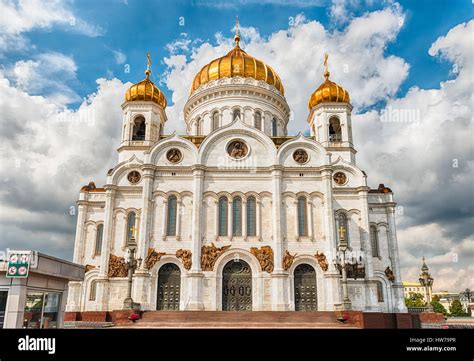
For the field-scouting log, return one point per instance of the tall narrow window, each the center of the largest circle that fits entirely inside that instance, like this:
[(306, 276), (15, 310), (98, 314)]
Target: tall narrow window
[(302, 217), (251, 217), (93, 290), (335, 134), (274, 127), (198, 126), (215, 120), (223, 216), (237, 216), (139, 128), (236, 114), (342, 227), (130, 226), (258, 120), (374, 242), (98, 239), (379, 291), (171, 224)]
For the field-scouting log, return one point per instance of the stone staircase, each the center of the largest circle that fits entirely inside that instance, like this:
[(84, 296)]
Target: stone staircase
[(230, 319)]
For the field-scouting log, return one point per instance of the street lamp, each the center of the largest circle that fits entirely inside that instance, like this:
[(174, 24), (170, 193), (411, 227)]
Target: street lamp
[(468, 294), (426, 281), (341, 264), (132, 264)]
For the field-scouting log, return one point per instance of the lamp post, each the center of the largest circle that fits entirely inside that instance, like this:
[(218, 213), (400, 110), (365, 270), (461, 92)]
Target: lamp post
[(132, 264), (468, 294), (426, 281), (340, 263)]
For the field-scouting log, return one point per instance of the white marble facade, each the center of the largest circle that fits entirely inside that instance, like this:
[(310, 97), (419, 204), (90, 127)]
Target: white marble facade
[(267, 173)]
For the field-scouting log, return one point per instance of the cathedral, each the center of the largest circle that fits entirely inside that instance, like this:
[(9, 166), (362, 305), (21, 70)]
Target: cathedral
[(237, 215)]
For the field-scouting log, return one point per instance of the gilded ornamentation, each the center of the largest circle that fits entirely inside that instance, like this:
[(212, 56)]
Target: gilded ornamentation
[(340, 178), (300, 156), (264, 256), (322, 261), (174, 155), (89, 267), (134, 177), (185, 256), (209, 255), (152, 257), (288, 259), (389, 274), (117, 267), (237, 149)]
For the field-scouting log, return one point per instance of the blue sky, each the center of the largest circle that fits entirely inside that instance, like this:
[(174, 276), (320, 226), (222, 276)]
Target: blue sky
[(406, 55), (134, 27)]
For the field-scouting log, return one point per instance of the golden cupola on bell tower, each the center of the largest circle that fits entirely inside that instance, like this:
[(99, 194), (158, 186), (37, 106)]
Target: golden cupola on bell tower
[(144, 114), (330, 117)]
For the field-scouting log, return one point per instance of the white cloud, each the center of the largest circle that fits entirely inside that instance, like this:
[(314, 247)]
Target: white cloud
[(119, 56), (48, 75), (21, 16)]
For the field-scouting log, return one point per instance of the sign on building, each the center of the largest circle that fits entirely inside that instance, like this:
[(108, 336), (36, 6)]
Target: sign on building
[(18, 264)]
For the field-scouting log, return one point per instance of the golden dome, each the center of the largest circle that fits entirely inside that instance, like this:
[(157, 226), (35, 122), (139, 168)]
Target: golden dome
[(146, 90), (237, 63), (328, 91)]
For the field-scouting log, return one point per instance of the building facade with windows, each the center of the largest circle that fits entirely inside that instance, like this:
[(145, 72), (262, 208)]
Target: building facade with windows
[(236, 214)]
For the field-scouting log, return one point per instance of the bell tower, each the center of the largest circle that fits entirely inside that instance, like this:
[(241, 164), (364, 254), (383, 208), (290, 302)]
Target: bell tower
[(144, 116), (330, 117)]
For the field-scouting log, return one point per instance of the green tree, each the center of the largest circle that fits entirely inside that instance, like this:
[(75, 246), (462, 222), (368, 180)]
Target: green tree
[(415, 300), (439, 308), (456, 310)]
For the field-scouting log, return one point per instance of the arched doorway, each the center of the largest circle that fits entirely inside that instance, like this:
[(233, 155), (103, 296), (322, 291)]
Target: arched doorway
[(169, 287), (237, 286), (306, 298)]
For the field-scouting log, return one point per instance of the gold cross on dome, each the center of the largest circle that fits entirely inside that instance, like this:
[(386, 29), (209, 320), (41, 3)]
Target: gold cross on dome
[(148, 57), (342, 232), (236, 26)]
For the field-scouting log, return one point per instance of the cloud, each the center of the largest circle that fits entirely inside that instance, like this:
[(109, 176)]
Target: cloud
[(235, 4), (48, 75), (120, 57), (21, 16), (48, 153)]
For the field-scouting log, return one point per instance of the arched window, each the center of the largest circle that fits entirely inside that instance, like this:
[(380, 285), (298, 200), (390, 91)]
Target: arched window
[(258, 120), (215, 120), (93, 290), (251, 217), (171, 221), (302, 217), (236, 114), (198, 126), (335, 134), (374, 241), (379, 291), (237, 216), (139, 128), (130, 226), (274, 127), (98, 239), (223, 216), (342, 227)]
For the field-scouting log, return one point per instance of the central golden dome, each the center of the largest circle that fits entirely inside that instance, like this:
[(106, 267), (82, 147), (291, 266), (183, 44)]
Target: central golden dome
[(237, 63)]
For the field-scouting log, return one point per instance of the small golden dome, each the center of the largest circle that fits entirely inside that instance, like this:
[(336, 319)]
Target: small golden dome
[(146, 90), (328, 91), (237, 63)]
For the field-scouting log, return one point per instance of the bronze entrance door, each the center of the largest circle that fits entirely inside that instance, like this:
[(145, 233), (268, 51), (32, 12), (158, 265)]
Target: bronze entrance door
[(169, 287), (237, 287), (305, 288)]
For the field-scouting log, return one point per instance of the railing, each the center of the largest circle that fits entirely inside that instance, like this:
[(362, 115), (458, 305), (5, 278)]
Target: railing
[(335, 137), (417, 309)]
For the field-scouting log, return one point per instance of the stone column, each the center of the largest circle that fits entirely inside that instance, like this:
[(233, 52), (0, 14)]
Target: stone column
[(15, 308), (371, 302), (331, 276), (79, 240), (397, 286), (216, 203), (102, 295), (179, 209), (229, 219), (280, 299), (259, 220), (297, 228), (164, 219), (244, 218), (310, 220), (195, 275)]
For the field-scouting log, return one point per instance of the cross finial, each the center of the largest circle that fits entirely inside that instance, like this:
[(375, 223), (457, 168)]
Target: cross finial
[(326, 71), (148, 70), (237, 36)]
